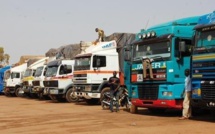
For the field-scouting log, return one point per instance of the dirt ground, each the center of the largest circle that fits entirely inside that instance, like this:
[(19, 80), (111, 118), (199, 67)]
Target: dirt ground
[(32, 116)]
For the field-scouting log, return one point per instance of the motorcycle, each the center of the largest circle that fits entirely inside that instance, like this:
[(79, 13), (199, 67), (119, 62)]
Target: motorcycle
[(123, 99)]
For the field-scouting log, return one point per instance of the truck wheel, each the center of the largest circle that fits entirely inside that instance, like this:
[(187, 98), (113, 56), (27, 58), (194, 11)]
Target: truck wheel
[(92, 101), (70, 96), (17, 94), (133, 109), (104, 90)]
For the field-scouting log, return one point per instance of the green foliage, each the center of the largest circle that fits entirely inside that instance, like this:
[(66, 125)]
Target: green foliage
[(4, 58)]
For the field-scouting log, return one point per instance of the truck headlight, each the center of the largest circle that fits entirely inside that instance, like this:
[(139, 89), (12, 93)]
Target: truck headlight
[(196, 91), (167, 93)]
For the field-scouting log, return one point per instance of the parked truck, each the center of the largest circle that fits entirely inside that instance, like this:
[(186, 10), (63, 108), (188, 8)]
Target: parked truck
[(159, 57), (203, 63), (28, 77), (2, 72), (94, 65), (58, 83), (14, 83), (39, 77)]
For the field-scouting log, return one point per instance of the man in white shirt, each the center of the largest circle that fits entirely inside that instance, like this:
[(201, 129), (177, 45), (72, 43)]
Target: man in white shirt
[(186, 113)]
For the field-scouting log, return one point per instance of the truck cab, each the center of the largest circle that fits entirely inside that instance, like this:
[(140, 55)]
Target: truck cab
[(58, 80), (29, 77), (14, 83), (203, 63), (160, 55), (92, 67)]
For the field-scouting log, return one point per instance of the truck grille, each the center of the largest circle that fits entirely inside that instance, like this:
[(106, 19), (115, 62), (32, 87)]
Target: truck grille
[(148, 92), (50, 83), (25, 83), (208, 90), (36, 83)]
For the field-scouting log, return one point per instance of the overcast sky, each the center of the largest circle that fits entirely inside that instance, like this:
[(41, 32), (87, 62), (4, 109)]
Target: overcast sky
[(34, 26)]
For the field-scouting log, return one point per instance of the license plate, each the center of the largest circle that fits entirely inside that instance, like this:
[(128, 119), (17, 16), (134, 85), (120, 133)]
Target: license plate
[(53, 91)]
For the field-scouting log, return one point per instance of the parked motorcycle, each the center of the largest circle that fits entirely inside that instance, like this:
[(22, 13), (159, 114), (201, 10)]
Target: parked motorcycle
[(123, 99)]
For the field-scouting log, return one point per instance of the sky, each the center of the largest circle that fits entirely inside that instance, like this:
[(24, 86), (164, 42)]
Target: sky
[(32, 27)]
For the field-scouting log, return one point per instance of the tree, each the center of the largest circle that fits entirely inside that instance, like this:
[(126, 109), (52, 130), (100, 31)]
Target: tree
[(4, 58)]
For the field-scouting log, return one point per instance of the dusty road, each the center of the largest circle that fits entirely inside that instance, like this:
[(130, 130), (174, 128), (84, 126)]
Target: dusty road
[(30, 116)]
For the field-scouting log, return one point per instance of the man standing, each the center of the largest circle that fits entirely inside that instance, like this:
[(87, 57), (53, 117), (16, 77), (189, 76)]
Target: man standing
[(186, 113), (114, 83), (101, 34)]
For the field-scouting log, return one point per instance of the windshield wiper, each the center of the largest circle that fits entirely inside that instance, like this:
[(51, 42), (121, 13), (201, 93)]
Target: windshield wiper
[(138, 58)]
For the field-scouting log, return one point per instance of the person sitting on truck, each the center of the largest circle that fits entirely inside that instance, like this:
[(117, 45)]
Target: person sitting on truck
[(101, 35), (186, 112), (114, 83)]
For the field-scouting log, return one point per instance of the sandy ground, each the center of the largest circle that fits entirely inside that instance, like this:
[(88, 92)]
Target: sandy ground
[(32, 116)]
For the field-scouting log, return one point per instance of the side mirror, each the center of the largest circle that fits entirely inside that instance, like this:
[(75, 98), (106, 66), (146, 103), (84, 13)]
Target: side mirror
[(182, 46), (127, 47)]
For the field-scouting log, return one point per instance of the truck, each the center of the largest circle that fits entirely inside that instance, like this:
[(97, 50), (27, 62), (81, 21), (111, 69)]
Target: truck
[(203, 64), (39, 77), (14, 83), (58, 83), (2, 72), (95, 66), (28, 77), (160, 55)]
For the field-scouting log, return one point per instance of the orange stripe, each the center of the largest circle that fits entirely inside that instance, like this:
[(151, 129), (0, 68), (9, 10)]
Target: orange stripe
[(93, 72), (63, 77)]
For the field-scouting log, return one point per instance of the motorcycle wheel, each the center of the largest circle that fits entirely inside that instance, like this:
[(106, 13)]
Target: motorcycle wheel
[(128, 105), (102, 98), (105, 106)]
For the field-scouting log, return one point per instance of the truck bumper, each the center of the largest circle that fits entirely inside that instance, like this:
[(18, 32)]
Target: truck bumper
[(56, 91), (9, 90), (88, 95), (167, 104), (37, 89)]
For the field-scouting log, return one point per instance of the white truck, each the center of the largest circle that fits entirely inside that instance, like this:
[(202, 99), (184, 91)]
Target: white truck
[(29, 77), (58, 81), (92, 67), (39, 77), (14, 83)]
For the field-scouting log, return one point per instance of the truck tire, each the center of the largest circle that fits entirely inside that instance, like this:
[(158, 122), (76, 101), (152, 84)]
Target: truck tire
[(70, 96), (133, 109), (17, 94), (104, 90)]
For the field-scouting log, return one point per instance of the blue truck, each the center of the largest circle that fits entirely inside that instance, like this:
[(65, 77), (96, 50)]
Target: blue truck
[(2, 71), (203, 63), (160, 55)]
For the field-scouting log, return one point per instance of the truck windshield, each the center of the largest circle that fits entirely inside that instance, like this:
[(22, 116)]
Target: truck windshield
[(38, 71), (82, 63), (28, 72), (161, 49), (51, 71), (15, 75), (205, 42)]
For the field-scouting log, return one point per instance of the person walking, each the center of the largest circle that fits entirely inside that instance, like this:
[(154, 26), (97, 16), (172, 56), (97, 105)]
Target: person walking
[(186, 112), (114, 83)]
